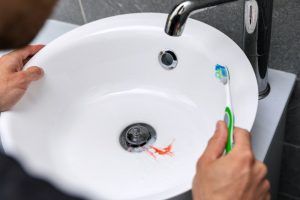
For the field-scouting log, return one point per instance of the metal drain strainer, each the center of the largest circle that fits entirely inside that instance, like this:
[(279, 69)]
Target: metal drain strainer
[(137, 137)]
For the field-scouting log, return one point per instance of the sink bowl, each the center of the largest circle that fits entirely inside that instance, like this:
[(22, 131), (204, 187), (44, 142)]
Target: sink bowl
[(104, 76)]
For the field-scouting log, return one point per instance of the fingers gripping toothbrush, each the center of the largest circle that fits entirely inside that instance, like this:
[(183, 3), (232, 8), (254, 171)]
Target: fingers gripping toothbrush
[(222, 74)]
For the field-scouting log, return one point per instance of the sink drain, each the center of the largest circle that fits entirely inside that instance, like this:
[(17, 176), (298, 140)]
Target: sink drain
[(167, 59), (137, 137)]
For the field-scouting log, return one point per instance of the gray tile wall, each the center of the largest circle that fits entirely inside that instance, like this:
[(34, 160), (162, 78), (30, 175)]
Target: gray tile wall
[(285, 54), (69, 11), (290, 166)]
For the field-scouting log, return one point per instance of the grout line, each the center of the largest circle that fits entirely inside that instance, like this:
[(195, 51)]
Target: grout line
[(82, 12), (291, 145), (289, 196)]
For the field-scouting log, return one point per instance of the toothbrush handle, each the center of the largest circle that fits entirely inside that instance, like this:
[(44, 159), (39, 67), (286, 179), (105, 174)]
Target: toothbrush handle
[(229, 119)]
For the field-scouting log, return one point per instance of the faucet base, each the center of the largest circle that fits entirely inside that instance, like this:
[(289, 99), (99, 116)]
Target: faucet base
[(265, 92)]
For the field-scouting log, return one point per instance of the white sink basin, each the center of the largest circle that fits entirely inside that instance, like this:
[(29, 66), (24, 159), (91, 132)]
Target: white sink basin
[(104, 76)]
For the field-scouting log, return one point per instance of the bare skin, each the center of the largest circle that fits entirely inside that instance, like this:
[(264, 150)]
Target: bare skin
[(13, 80), (237, 176)]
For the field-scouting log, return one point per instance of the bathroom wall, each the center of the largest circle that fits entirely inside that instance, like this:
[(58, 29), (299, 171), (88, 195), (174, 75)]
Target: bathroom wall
[(285, 54)]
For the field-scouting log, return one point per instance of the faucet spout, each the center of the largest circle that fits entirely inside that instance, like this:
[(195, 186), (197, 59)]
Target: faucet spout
[(180, 13)]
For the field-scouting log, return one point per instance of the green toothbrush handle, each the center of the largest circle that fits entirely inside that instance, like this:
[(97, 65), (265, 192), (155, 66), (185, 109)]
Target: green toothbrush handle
[(229, 119)]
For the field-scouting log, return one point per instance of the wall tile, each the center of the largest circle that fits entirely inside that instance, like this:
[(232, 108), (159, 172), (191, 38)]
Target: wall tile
[(283, 196), (290, 171), (228, 18), (68, 11), (98, 9), (285, 43), (293, 117)]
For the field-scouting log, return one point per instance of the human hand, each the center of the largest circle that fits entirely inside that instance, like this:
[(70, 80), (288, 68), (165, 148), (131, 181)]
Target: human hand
[(237, 175), (13, 80)]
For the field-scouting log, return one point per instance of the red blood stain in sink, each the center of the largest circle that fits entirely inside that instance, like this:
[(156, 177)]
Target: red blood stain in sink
[(153, 151)]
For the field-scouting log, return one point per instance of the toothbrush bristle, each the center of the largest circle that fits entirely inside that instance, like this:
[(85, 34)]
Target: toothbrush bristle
[(222, 73)]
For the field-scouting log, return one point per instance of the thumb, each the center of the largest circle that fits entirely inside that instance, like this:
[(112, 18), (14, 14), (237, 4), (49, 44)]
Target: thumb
[(25, 77), (217, 143), (33, 74), (242, 139)]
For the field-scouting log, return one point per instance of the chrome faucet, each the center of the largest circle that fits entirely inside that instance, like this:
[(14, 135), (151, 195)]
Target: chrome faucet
[(257, 31)]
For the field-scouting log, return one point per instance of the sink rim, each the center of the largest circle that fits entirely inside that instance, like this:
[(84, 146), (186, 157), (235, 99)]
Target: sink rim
[(86, 27)]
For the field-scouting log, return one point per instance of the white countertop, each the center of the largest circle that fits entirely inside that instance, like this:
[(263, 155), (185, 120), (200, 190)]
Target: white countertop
[(270, 109)]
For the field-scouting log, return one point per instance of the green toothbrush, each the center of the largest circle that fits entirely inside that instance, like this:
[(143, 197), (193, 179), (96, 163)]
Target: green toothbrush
[(222, 74)]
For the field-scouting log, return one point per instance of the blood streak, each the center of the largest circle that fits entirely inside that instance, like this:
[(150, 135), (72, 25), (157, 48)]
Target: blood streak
[(152, 151)]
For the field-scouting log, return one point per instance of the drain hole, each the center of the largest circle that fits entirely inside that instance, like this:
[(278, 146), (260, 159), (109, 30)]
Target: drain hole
[(167, 59), (137, 137)]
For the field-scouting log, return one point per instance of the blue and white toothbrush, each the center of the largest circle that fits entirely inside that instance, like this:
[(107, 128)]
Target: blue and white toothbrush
[(222, 74)]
